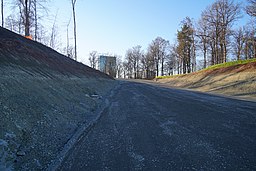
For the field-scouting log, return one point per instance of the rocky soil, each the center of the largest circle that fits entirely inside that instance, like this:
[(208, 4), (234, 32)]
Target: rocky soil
[(236, 81), (46, 99)]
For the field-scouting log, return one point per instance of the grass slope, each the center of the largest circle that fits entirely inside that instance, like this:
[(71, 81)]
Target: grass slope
[(232, 78), (229, 64), (217, 66)]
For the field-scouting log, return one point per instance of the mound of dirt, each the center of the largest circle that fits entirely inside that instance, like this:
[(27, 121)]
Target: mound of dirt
[(45, 99), (238, 81)]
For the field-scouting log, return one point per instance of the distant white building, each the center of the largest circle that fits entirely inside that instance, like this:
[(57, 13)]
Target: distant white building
[(107, 64)]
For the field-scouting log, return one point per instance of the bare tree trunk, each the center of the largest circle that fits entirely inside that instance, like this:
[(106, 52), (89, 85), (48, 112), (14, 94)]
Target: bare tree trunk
[(238, 55), (74, 18), (2, 11), (162, 65), (157, 66), (26, 18), (217, 60), (246, 49), (254, 45), (213, 53), (20, 25), (137, 68), (189, 60), (36, 24), (67, 42), (193, 54), (53, 43), (205, 51), (68, 38), (224, 52)]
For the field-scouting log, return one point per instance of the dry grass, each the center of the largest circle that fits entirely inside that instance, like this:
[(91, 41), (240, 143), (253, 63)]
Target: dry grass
[(237, 80)]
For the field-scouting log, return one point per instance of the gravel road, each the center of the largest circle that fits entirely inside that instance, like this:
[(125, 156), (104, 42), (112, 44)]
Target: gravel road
[(149, 127)]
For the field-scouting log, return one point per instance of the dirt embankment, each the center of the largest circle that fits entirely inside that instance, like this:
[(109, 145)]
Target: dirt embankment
[(238, 81), (45, 98)]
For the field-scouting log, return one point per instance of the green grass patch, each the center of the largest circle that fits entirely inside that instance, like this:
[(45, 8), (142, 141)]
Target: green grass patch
[(228, 64), (222, 65), (163, 77)]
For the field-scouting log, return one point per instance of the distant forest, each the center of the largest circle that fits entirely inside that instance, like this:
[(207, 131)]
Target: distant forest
[(210, 40), (26, 19)]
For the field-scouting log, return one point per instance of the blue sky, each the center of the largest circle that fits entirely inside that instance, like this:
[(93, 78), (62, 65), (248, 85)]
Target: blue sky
[(113, 26)]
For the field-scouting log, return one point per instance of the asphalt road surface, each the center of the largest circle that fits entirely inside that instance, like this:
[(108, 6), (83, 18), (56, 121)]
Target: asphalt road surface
[(150, 127)]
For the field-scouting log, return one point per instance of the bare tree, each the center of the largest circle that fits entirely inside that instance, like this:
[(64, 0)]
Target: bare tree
[(164, 50), (35, 19), (229, 13), (93, 58), (127, 69), (26, 14), (73, 2), (172, 60), (71, 52), (133, 57), (203, 37), (219, 18), (212, 20), (250, 42), (27, 17), (159, 49), (119, 67), (67, 47), (186, 46), (131, 63), (54, 33), (38, 7), (154, 51), (10, 22), (20, 18), (251, 8), (148, 65), (239, 40)]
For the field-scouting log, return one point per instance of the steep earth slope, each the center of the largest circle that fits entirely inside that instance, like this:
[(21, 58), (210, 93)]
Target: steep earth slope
[(45, 99), (238, 81)]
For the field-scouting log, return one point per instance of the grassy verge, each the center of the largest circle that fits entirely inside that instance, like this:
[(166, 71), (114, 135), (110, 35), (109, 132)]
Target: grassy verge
[(228, 64), (218, 66)]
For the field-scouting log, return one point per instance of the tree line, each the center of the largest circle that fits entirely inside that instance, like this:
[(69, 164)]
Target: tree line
[(212, 37), (27, 19), (210, 40)]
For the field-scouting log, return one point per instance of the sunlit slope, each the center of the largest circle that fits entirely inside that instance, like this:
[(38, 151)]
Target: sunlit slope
[(232, 78)]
